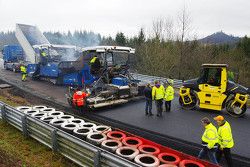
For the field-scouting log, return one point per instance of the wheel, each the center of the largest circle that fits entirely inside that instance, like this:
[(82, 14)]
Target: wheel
[(235, 110), (191, 105)]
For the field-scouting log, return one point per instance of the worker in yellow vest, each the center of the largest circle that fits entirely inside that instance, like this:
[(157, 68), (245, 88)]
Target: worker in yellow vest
[(226, 141), (169, 94), (158, 95), (23, 70), (95, 65), (209, 141)]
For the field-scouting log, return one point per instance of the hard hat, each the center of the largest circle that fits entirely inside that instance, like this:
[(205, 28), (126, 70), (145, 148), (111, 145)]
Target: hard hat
[(219, 118)]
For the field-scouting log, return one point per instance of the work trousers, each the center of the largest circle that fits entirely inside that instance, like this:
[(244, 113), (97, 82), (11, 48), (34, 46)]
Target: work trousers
[(24, 76), (148, 107), (210, 153), (159, 104), (168, 105), (227, 154)]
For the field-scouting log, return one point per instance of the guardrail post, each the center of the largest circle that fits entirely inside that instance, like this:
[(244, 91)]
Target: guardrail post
[(54, 140), (3, 111), (24, 126), (97, 157)]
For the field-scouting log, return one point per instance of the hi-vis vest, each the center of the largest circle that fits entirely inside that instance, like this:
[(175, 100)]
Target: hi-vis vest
[(93, 60), (169, 93), (23, 69), (158, 93), (210, 136), (79, 98), (225, 136)]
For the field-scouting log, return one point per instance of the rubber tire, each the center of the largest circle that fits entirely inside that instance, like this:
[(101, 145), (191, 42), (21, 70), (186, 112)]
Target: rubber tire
[(80, 122), (47, 110), (115, 135), (56, 113), (184, 163), (23, 108), (47, 119), (66, 117), (107, 145), (57, 122), (96, 138), (128, 141), (89, 125), (139, 160), (142, 148), (102, 129), (69, 127), (164, 161), (134, 151), (39, 115), (168, 165), (39, 107), (30, 112), (82, 135)]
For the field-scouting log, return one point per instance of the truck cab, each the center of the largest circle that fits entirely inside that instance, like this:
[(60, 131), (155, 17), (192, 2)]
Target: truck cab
[(13, 55)]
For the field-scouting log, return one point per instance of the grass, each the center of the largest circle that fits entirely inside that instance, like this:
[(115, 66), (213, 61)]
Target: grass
[(18, 151)]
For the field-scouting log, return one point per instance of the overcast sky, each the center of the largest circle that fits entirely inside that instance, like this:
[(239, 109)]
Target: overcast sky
[(107, 17)]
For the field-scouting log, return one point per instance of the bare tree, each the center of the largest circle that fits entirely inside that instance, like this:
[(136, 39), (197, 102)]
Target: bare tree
[(184, 23), (158, 25)]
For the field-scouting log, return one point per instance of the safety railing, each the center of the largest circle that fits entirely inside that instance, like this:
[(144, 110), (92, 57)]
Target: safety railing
[(73, 148), (151, 79)]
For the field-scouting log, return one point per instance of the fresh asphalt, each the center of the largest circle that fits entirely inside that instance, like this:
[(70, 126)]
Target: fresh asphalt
[(179, 123)]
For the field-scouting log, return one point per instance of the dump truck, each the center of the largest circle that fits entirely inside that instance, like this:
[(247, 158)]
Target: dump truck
[(214, 91), (13, 56)]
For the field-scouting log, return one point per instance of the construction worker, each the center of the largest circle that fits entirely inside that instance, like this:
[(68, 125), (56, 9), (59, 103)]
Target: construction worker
[(79, 98), (23, 70), (169, 94), (95, 65), (230, 75), (226, 141), (44, 57), (209, 141), (158, 95), (148, 97)]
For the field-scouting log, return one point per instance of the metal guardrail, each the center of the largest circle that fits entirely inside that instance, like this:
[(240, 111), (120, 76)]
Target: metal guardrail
[(73, 148), (151, 79)]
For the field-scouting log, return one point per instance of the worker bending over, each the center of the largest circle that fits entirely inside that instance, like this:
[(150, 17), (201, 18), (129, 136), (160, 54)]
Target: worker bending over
[(158, 95), (23, 70), (95, 65), (79, 99)]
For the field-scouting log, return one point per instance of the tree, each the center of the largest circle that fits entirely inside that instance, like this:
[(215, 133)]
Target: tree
[(141, 37), (244, 44), (184, 22), (120, 39)]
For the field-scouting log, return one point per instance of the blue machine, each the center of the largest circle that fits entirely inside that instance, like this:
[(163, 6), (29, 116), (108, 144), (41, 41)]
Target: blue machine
[(12, 53), (120, 81)]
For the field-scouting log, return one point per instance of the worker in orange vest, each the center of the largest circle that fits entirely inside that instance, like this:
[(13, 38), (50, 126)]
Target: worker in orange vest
[(79, 98)]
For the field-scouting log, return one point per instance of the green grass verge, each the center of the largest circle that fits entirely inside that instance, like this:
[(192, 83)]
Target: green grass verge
[(16, 150)]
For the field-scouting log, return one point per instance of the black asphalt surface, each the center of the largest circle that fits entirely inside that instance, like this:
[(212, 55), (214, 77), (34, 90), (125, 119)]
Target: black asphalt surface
[(179, 123)]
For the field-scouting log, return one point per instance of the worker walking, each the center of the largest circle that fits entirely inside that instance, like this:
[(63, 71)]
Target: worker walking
[(148, 97), (169, 94), (226, 141), (23, 70), (158, 95), (209, 141)]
